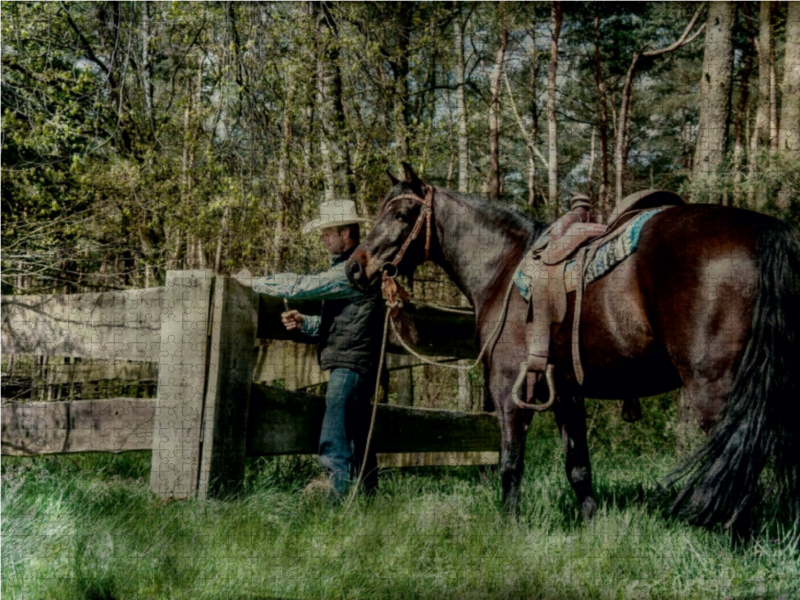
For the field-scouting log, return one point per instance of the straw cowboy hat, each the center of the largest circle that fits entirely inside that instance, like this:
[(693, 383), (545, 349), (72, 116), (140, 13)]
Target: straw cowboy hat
[(335, 213)]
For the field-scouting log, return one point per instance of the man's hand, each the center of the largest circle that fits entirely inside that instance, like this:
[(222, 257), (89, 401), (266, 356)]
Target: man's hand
[(292, 320)]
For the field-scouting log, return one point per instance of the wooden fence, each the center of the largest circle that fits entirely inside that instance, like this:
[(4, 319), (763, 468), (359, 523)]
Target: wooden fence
[(200, 330)]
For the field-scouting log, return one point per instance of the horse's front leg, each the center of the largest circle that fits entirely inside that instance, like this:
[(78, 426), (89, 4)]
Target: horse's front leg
[(514, 423), (570, 414)]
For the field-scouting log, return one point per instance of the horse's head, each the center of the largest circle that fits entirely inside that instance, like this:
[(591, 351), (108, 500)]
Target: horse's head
[(400, 236)]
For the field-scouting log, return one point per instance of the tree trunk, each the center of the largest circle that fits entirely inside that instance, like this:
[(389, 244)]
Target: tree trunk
[(337, 167), (464, 390), (602, 194), (761, 132), (400, 67), (590, 170), (760, 139), (534, 124), (461, 109), (494, 108), (789, 132), (773, 83), (739, 123), (556, 17), (715, 98)]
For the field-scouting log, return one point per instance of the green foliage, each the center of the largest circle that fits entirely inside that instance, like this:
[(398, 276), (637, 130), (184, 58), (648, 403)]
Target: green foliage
[(145, 137)]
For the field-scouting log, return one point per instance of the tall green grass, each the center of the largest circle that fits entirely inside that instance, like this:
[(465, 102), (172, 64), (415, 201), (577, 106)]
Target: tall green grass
[(88, 527)]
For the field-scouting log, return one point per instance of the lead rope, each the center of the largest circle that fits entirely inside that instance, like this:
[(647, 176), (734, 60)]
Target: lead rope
[(374, 408)]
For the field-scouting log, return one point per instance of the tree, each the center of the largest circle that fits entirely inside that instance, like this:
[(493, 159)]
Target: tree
[(556, 17), (715, 96), (494, 107), (623, 127), (789, 132)]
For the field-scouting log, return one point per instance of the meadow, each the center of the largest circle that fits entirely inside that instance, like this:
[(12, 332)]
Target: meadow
[(87, 526)]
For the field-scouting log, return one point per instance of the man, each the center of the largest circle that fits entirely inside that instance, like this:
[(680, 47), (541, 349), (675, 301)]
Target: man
[(348, 333)]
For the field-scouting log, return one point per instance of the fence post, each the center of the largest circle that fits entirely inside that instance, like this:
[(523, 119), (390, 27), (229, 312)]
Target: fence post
[(182, 368), (234, 319)]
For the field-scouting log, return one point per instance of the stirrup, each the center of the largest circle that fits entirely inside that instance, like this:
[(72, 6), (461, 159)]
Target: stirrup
[(523, 373)]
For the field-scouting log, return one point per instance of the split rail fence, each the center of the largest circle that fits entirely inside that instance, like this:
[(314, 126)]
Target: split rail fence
[(197, 335)]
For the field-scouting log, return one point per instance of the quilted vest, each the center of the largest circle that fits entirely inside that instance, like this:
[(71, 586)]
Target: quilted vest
[(350, 331)]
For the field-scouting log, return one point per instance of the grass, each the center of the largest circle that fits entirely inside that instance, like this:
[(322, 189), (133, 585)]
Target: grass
[(88, 527)]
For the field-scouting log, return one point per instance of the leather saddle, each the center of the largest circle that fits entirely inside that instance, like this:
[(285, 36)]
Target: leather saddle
[(544, 263)]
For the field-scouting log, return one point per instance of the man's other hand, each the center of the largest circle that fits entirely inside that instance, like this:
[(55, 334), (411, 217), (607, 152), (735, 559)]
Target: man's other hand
[(292, 320)]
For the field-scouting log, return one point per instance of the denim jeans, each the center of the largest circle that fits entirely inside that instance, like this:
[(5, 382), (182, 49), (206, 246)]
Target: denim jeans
[(345, 428)]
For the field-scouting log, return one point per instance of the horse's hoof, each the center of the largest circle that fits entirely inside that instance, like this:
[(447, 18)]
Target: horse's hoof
[(588, 508)]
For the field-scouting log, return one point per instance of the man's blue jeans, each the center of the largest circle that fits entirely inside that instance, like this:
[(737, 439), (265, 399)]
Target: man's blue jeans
[(344, 430)]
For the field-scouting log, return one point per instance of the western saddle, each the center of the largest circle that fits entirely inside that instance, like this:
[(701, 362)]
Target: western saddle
[(574, 236)]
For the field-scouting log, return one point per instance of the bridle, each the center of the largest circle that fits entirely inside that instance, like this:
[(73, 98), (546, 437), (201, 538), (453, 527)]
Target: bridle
[(425, 214)]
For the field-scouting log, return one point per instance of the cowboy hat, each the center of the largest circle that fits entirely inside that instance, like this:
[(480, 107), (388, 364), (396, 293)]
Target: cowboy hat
[(334, 213)]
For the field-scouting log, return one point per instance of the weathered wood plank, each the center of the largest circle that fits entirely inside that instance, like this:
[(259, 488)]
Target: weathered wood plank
[(440, 333), (295, 364), (182, 370), (114, 325), (283, 422), (230, 375), (112, 425), (279, 422)]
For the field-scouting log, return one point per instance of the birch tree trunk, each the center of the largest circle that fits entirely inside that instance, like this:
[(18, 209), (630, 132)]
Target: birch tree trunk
[(739, 122), (465, 396), (789, 132), (534, 124), (461, 109), (602, 194), (715, 97), (494, 108), (773, 83), (556, 17)]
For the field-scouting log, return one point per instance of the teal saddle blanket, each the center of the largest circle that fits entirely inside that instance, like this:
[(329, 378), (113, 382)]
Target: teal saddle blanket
[(606, 258)]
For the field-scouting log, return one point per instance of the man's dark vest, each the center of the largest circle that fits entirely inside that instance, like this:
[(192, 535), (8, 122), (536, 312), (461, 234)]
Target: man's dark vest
[(350, 331)]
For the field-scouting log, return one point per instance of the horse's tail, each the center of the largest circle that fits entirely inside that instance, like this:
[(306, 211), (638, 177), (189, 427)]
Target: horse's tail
[(761, 420)]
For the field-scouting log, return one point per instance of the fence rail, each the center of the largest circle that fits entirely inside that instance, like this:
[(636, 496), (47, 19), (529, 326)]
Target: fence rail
[(279, 422), (201, 330)]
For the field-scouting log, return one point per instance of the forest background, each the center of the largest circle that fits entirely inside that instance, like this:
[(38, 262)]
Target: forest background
[(139, 137)]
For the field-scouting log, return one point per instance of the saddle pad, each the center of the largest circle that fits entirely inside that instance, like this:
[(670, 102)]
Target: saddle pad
[(606, 258)]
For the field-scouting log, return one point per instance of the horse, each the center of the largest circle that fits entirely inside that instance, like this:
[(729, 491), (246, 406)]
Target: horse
[(710, 301)]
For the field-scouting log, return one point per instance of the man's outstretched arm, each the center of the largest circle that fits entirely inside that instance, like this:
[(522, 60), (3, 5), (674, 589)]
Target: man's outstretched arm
[(328, 285)]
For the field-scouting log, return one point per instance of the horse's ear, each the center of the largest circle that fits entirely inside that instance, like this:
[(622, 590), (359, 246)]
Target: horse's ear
[(411, 177), (392, 178), (419, 186)]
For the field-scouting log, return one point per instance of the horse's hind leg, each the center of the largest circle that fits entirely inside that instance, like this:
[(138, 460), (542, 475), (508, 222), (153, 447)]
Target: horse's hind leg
[(570, 414)]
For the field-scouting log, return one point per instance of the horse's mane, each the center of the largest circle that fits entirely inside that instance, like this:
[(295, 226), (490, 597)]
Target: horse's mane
[(502, 215)]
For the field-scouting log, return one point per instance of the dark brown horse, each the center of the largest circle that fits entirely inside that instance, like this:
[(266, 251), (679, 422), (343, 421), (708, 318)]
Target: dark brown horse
[(710, 300)]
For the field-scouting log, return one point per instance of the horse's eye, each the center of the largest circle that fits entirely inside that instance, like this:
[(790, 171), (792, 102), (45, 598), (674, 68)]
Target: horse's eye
[(401, 216)]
